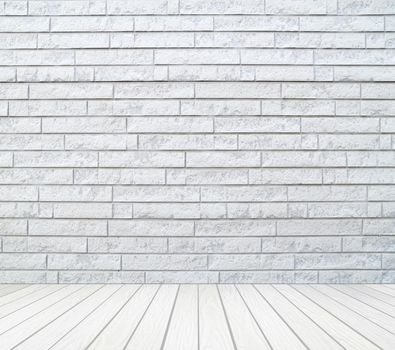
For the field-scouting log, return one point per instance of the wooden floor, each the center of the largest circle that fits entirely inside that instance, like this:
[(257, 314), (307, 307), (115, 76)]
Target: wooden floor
[(171, 317)]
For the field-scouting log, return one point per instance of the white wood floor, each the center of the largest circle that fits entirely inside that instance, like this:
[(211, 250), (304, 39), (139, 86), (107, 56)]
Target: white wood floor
[(172, 317)]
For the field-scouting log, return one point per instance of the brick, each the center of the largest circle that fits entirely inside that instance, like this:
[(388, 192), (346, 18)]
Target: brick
[(73, 40), (326, 193), (44, 74), (368, 244), (276, 56), (117, 7), (172, 23), (222, 39), (101, 277), (35, 176), (223, 159), (278, 141), (156, 194), (300, 7), (207, 176), (340, 124), (285, 176), (237, 90), (82, 210), (256, 210), (150, 228), (182, 277), (130, 73), (164, 262), (24, 24), (160, 211), (13, 227), (210, 7), (127, 245), (83, 262), (320, 40), (196, 56), (350, 276), (14, 261), (256, 23), (18, 41), (152, 40), (89, 125), (100, 142), (18, 193), (47, 227), (235, 228), (57, 244), (301, 244), (55, 159), (319, 227), (366, 7), (120, 176), (338, 261), (243, 194), (144, 159), (153, 90), (251, 262), (214, 245), (75, 193)]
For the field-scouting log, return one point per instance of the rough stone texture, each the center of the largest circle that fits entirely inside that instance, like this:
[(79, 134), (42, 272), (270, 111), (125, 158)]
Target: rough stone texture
[(197, 141)]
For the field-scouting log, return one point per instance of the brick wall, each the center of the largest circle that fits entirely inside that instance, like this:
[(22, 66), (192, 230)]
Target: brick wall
[(197, 141)]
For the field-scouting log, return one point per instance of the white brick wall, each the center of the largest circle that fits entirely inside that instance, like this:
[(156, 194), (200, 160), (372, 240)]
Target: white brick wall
[(197, 141)]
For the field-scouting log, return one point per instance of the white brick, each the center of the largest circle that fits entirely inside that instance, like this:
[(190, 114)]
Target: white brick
[(156, 194), (31, 142), (338, 261), (227, 7), (320, 40), (127, 245), (36, 176), (47, 227), (301, 244), (152, 40), (251, 262), (173, 23), (196, 56), (204, 72), (144, 159), (302, 7), (153, 90), (164, 262), (354, 57), (71, 40), (18, 41), (235, 228), (223, 159), (279, 73), (256, 23), (24, 24), (57, 244), (70, 91), (340, 125), (278, 141), (276, 56), (220, 107), (116, 7), (114, 56), (319, 227), (214, 245), (55, 159), (150, 228), (13, 227), (18, 193), (304, 159), (120, 176), (130, 73), (243, 194), (237, 90), (218, 39), (75, 193), (349, 142), (43, 74), (366, 7), (83, 210), (88, 125), (256, 210), (326, 193), (377, 193), (182, 277), (207, 176), (100, 277), (100, 142), (15, 261), (160, 211), (368, 244), (341, 23), (285, 176), (83, 262)]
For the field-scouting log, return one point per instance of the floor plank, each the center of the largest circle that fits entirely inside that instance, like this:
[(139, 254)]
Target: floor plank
[(27, 300), (183, 328), (18, 295), (370, 330), (49, 335), (17, 317), (246, 332), (11, 289), (117, 333), (277, 332), (155, 321), (214, 333), (363, 309), (337, 329), (81, 336), (369, 300), (197, 317), (17, 334), (311, 334)]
